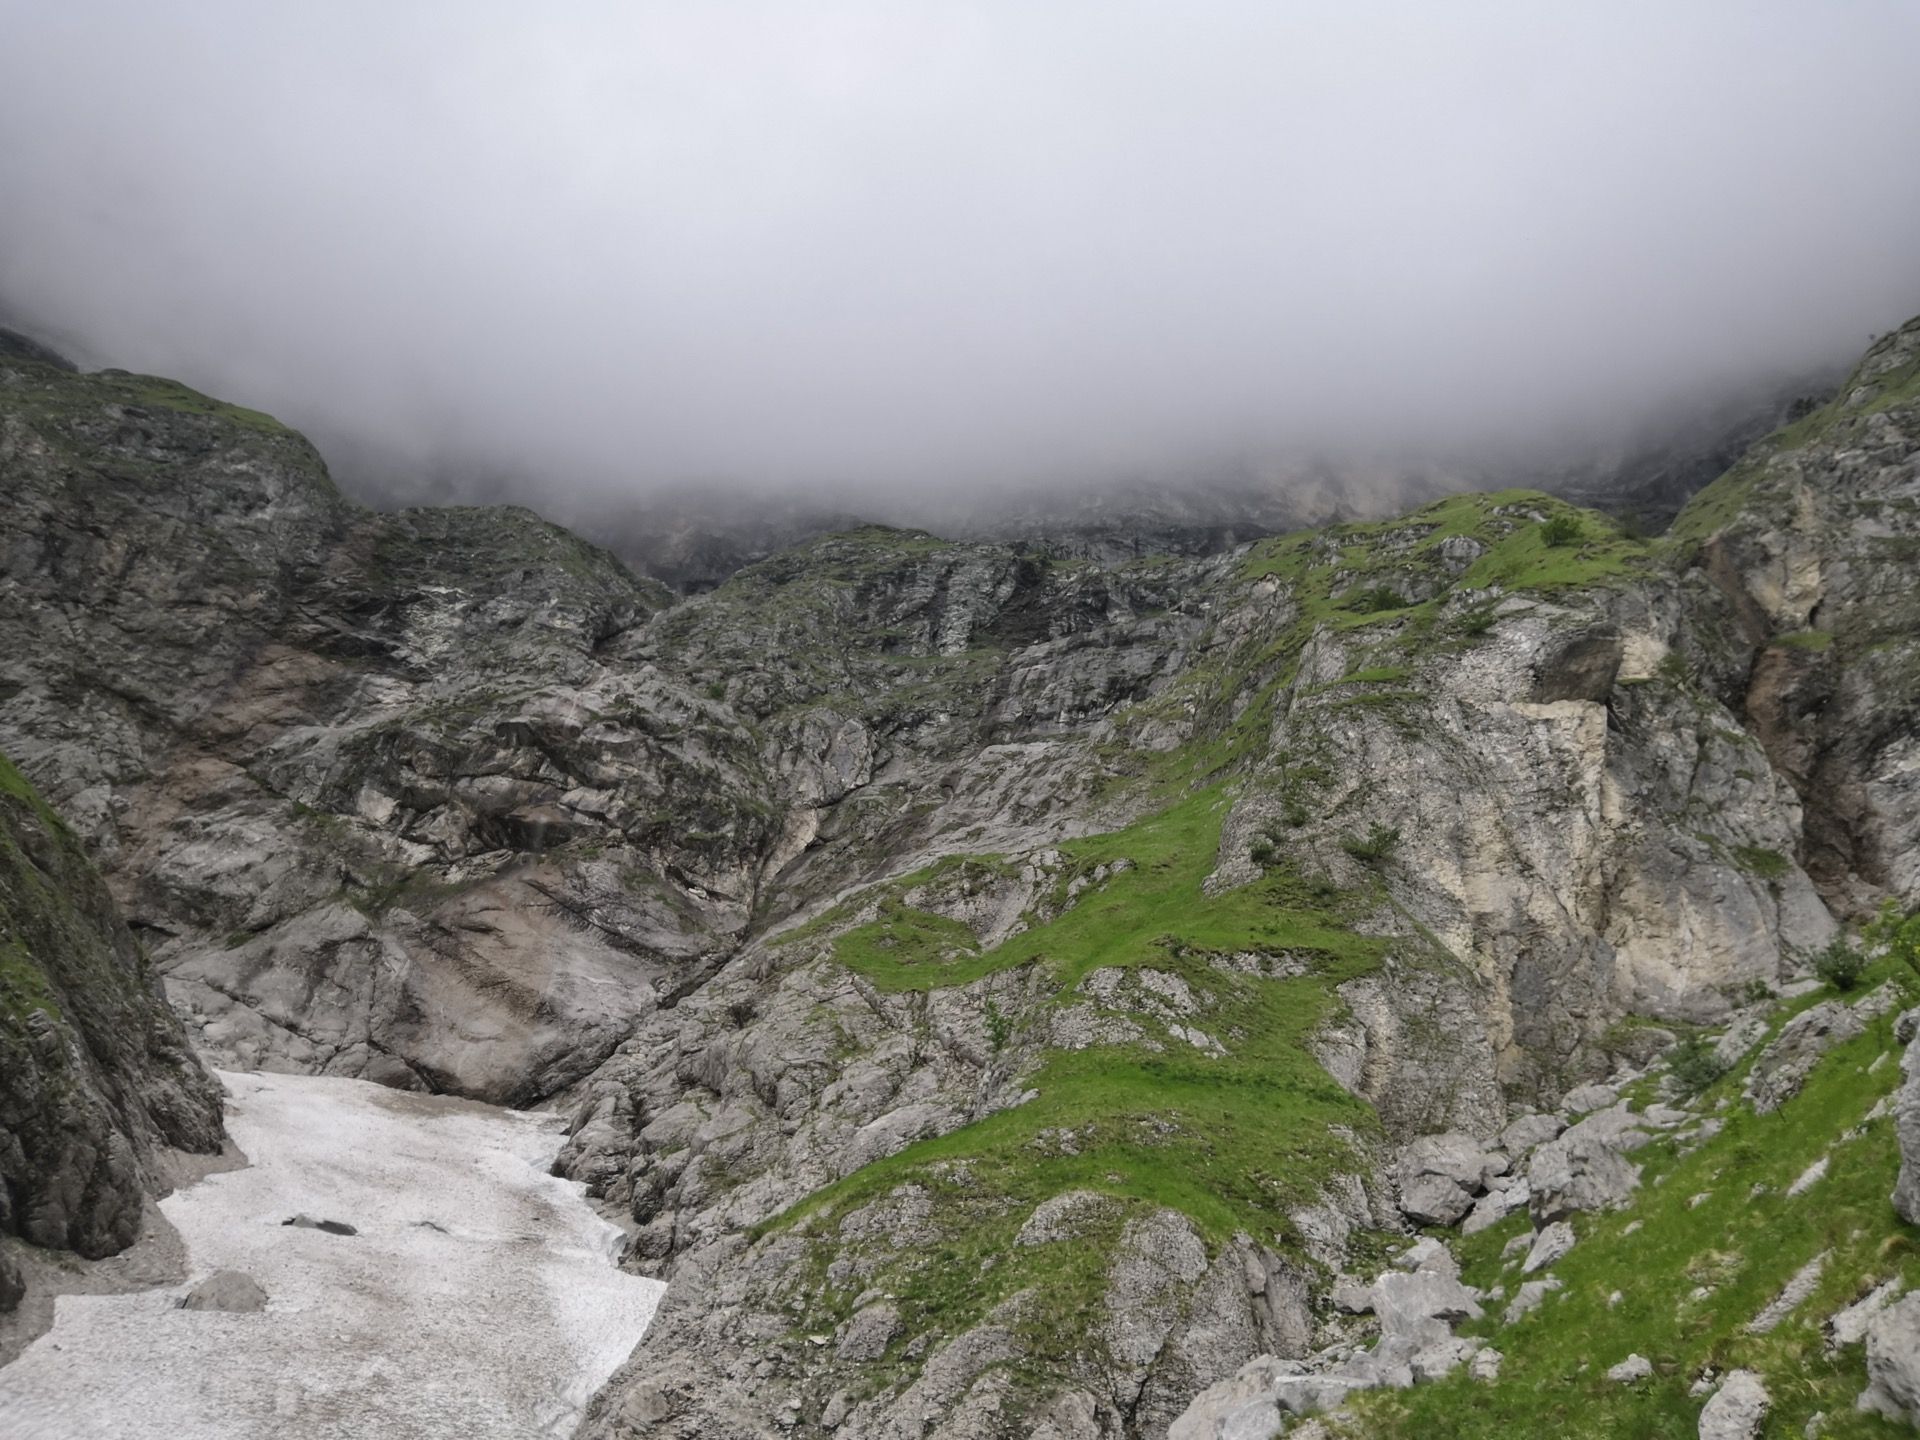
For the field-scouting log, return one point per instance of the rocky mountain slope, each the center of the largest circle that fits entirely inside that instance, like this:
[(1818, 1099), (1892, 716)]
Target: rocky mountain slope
[(999, 985), (95, 1072)]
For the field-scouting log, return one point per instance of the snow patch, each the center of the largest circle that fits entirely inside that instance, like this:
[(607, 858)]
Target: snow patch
[(478, 1298)]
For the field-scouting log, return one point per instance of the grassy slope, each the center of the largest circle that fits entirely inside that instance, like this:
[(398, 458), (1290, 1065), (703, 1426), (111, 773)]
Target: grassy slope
[(1740, 1245), (1236, 1140)]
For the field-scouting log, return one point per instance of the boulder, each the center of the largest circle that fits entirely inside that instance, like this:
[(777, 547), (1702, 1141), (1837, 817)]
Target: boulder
[(1737, 1410), (1421, 1306), (1782, 1068), (1440, 1175), (13, 1285), (1548, 1247), (1583, 1098), (1530, 1132), (1633, 1368), (1893, 1362), (1576, 1173), (233, 1291)]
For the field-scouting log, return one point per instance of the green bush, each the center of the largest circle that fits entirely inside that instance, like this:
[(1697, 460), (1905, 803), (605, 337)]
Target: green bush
[(1559, 530), (1378, 843), (1694, 1064), (1840, 965), (1373, 599)]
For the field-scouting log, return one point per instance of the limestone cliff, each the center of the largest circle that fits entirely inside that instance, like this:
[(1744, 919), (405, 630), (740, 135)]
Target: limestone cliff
[(95, 1072)]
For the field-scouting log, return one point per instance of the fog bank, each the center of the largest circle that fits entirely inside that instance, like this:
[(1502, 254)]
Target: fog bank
[(587, 250)]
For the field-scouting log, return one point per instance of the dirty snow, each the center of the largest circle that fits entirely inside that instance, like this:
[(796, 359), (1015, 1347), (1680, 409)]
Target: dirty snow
[(502, 1322)]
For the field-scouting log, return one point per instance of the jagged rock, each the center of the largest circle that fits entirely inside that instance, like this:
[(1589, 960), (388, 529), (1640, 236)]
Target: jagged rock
[(1529, 1132), (1906, 1129), (1802, 1284), (1737, 1410), (1631, 1369), (1253, 1403), (1442, 1358), (1063, 1217), (1485, 1365), (1440, 1174), (228, 1290), (13, 1285), (1428, 1253), (1529, 1297), (1549, 1246), (1849, 1326), (1782, 1068), (1351, 1297), (1584, 1098), (1893, 1362), (1808, 1178), (96, 1076), (1506, 1197), (1421, 1306), (1577, 1173)]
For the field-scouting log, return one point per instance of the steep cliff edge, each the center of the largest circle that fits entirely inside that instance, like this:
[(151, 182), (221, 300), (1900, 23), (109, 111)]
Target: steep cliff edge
[(95, 1072)]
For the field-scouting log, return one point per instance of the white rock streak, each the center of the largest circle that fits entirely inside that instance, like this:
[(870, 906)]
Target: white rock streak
[(502, 1322)]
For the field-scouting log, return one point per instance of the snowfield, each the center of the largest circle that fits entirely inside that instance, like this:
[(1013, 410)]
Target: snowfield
[(478, 1299)]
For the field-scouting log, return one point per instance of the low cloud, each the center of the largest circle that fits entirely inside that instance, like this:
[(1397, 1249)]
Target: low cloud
[(591, 250)]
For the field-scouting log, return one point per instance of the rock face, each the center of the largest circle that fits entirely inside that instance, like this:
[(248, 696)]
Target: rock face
[(95, 1072), (1893, 1362), (1023, 972), (1906, 1121)]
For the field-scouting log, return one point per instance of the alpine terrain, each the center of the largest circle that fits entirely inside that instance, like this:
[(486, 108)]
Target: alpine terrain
[(1445, 975)]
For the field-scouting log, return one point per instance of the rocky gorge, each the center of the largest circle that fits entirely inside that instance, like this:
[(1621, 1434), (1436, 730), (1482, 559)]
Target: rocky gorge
[(1005, 991)]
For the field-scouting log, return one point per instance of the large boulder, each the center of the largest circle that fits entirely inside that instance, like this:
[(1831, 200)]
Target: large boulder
[(1893, 1362), (1577, 1172), (1440, 1175), (1737, 1409)]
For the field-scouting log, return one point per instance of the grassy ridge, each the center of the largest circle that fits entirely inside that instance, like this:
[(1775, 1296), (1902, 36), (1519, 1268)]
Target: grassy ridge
[(1740, 1245)]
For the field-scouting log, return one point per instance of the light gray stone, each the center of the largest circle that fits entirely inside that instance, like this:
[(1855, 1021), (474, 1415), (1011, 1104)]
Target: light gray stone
[(233, 1291), (1737, 1409), (1634, 1368), (1893, 1362)]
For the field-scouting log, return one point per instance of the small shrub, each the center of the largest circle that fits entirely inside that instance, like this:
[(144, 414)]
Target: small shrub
[(1840, 965), (1559, 530), (1759, 860), (1378, 843), (1694, 1064), (1475, 622), (1262, 853), (1374, 599)]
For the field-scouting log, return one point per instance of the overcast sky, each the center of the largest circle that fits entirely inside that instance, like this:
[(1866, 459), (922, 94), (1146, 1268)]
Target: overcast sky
[(903, 245)]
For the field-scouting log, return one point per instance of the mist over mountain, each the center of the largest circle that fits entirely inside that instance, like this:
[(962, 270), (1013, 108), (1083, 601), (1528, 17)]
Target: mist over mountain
[(854, 259)]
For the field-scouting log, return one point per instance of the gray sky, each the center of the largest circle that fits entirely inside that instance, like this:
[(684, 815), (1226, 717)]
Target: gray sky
[(898, 245)]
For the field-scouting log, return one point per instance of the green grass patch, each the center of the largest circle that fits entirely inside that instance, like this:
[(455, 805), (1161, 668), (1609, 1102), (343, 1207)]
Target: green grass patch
[(1741, 1244)]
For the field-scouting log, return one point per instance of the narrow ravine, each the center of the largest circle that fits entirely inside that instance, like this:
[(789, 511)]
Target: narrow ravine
[(477, 1298)]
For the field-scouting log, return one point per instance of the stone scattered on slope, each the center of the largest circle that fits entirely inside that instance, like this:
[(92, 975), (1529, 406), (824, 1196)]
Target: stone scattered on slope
[(1549, 1246), (1529, 1297), (1577, 1172), (1582, 1098), (1782, 1068), (1849, 1326), (1809, 1177), (1737, 1409), (1634, 1367), (1440, 1175), (1906, 1128), (233, 1291), (332, 1227), (1791, 1296), (1893, 1362)]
